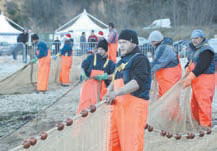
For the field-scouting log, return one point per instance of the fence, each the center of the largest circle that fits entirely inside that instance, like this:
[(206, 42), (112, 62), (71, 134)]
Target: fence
[(79, 49)]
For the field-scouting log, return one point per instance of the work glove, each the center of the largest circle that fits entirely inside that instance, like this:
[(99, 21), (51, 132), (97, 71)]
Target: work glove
[(101, 77), (83, 76), (55, 56), (34, 60), (187, 81)]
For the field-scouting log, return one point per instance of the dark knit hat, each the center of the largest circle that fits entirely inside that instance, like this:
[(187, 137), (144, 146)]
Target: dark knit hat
[(103, 44), (129, 35), (35, 37)]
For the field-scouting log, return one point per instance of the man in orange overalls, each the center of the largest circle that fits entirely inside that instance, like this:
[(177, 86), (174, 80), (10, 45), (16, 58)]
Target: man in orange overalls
[(96, 69), (66, 61), (129, 94), (166, 63), (201, 69), (43, 55), (113, 42)]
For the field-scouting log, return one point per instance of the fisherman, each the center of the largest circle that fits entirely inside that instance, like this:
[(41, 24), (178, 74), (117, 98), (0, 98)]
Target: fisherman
[(66, 61), (201, 77), (96, 70), (113, 42), (43, 55), (92, 40), (128, 94), (166, 65)]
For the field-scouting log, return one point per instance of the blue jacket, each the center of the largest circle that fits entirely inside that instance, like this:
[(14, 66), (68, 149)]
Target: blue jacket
[(88, 65), (137, 68), (66, 50), (165, 56), (195, 53), (42, 49)]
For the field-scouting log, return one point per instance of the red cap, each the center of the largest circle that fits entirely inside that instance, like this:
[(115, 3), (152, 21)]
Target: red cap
[(68, 36), (100, 33)]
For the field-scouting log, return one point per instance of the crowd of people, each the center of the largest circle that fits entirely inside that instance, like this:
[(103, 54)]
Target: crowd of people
[(128, 84), (125, 84)]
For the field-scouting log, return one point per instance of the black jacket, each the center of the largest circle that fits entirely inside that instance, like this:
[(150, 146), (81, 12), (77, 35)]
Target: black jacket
[(24, 37)]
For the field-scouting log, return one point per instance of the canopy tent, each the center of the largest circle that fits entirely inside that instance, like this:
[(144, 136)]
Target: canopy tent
[(84, 22), (7, 32), (159, 23)]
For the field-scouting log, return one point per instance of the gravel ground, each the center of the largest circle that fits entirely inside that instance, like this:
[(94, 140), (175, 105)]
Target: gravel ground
[(42, 112), (19, 110)]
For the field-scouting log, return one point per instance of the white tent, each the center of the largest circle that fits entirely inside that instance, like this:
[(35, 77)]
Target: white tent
[(7, 32), (84, 22), (160, 23)]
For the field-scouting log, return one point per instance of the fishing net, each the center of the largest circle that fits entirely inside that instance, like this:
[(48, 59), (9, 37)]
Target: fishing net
[(85, 134), (172, 125), (91, 133), (172, 112), (169, 116), (25, 79)]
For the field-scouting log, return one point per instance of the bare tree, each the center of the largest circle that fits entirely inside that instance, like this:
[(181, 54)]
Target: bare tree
[(47, 15)]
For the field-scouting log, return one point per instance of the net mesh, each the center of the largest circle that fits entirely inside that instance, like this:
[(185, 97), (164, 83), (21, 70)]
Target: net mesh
[(171, 117), (25, 79), (172, 111), (85, 134)]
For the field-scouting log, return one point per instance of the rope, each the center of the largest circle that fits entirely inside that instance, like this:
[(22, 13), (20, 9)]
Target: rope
[(73, 118), (15, 72), (151, 129), (31, 79)]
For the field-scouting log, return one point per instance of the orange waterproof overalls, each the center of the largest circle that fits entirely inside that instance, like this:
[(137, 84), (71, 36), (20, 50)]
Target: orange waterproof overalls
[(66, 63), (92, 90), (167, 77), (128, 119), (203, 88), (43, 72), (112, 49)]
